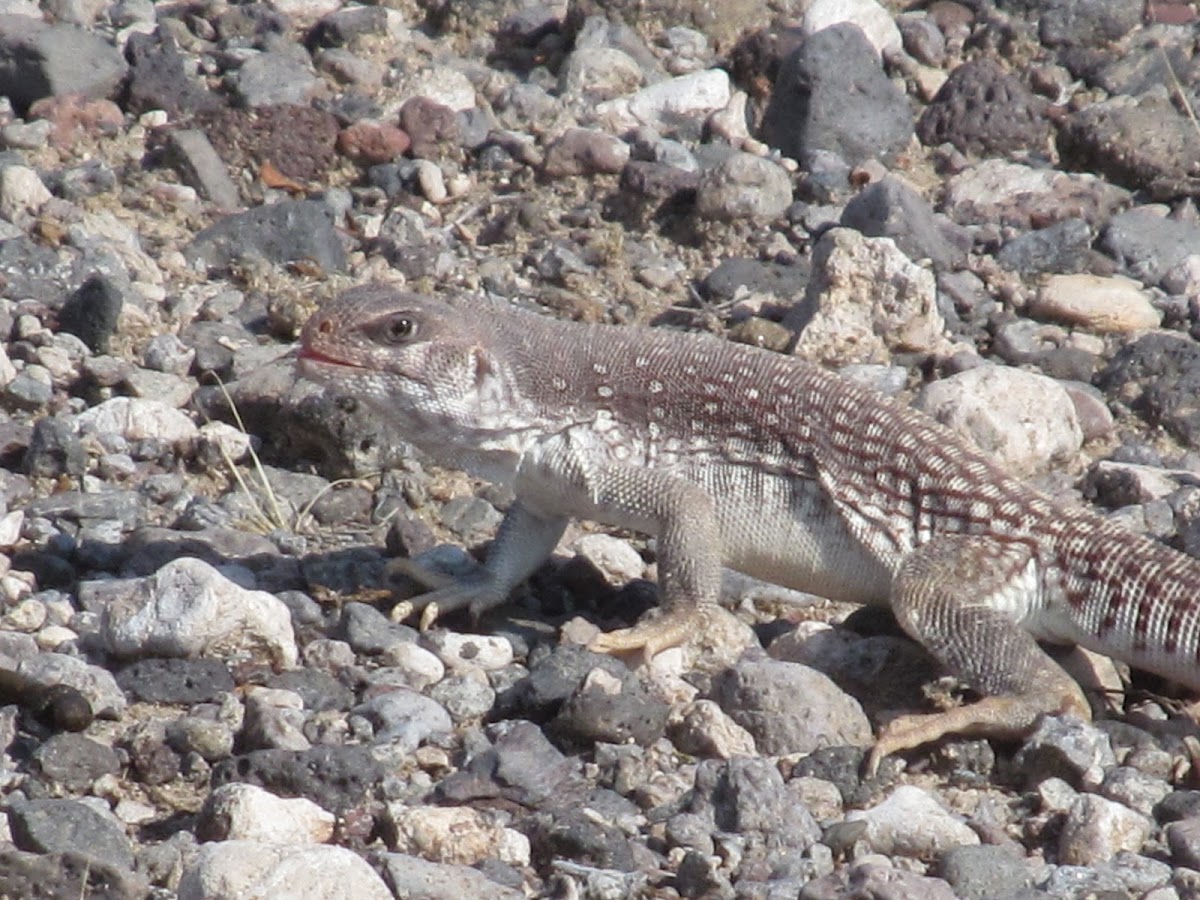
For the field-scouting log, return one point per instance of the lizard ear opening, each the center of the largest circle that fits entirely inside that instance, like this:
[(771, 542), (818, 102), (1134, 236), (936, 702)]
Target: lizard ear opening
[(482, 365)]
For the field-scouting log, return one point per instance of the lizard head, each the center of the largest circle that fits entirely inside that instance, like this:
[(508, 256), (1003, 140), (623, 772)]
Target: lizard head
[(425, 364)]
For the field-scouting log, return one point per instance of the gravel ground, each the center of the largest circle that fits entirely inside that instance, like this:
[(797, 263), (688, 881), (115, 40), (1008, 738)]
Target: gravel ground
[(987, 209)]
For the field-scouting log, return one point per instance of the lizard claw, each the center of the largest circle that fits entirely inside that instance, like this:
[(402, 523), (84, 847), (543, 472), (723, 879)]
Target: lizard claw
[(476, 592)]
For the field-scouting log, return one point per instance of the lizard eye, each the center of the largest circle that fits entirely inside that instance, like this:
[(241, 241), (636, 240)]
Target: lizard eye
[(398, 328)]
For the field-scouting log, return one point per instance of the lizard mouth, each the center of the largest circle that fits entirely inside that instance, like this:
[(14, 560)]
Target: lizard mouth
[(309, 356)]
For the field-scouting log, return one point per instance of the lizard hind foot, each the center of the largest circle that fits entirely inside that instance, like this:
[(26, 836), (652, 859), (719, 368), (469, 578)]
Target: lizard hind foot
[(1000, 716)]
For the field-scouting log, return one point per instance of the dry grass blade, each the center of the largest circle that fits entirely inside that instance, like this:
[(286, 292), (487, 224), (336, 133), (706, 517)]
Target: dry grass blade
[(273, 517)]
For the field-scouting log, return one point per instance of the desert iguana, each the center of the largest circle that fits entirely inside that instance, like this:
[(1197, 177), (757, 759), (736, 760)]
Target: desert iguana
[(767, 464)]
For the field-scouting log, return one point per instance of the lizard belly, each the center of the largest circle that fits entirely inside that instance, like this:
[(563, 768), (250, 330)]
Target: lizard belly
[(789, 533)]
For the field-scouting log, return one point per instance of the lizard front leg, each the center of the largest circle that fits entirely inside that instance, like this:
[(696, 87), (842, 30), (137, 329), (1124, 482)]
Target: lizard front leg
[(523, 542), (683, 517), (958, 596)]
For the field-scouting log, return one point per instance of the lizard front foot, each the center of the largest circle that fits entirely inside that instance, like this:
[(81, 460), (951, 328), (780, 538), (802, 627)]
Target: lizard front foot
[(654, 635), (477, 592)]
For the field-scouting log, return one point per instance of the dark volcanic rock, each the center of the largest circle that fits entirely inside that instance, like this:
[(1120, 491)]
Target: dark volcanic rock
[(833, 72), (890, 208), (70, 874), (41, 60), (158, 680), (337, 778), (1142, 143), (68, 826), (92, 312), (288, 231), (984, 110), (1158, 377)]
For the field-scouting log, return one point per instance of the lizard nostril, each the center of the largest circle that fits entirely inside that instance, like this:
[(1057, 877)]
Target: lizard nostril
[(325, 326)]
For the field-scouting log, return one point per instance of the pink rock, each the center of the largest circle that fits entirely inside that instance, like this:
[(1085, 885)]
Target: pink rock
[(74, 114), (372, 143)]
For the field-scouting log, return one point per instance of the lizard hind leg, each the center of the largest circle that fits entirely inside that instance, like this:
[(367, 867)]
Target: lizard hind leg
[(961, 598)]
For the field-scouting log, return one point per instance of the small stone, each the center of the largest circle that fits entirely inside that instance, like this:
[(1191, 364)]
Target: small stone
[(188, 608), (419, 667), (748, 795), (599, 73), (405, 718), (614, 558), (279, 233), (97, 685), (229, 444), (1019, 195), (613, 709), (910, 822), (237, 812), (338, 778), (10, 528), (211, 739), (75, 761), (1063, 247), (199, 165), (227, 869), (1157, 375), (412, 876), (466, 698), (1065, 748), (26, 135), (22, 193), (891, 208), (1113, 305), (32, 389), (984, 110), (73, 116), (875, 876), (703, 729), (664, 103), (1097, 829), (137, 419), (26, 616), (44, 60), (431, 181), (1135, 789), (1109, 138), (456, 835), (832, 95), (981, 872), (838, 328), (56, 826), (181, 681), (276, 77), (57, 637), (432, 128), (759, 695), (743, 186), (372, 143), (274, 720), (1148, 245), (1027, 422), (873, 20), (442, 85), (463, 652), (1183, 837), (585, 151), (93, 312)]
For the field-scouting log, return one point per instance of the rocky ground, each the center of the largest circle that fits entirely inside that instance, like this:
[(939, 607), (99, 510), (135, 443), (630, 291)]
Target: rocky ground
[(986, 209)]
